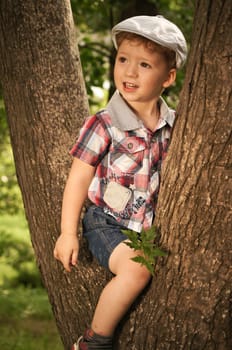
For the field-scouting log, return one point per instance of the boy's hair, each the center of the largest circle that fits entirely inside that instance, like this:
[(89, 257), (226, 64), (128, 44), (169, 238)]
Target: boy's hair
[(168, 54)]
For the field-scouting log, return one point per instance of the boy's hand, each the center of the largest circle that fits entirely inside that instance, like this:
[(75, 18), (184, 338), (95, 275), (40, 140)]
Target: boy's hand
[(66, 250)]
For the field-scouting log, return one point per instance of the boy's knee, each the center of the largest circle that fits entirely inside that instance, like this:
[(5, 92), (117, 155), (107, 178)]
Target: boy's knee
[(139, 275), (145, 276)]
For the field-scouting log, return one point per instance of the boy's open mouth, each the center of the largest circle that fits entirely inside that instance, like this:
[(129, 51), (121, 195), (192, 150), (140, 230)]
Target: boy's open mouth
[(129, 85)]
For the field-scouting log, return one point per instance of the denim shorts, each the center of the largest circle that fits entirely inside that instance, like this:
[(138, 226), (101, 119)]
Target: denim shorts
[(103, 234)]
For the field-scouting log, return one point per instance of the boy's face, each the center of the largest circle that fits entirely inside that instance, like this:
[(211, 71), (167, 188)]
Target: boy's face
[(140, 75)]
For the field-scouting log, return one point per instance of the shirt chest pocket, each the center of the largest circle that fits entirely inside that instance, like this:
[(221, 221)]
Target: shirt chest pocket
[(127, 155)]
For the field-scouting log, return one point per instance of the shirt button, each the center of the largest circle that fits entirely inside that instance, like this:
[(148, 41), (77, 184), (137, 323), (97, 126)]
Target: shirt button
[(130, 145)]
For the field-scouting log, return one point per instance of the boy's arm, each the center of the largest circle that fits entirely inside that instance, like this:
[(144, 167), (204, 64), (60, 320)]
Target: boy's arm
[(76, 190)]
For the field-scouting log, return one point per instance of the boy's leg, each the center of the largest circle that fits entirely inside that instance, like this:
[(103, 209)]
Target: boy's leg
[(118, 295)]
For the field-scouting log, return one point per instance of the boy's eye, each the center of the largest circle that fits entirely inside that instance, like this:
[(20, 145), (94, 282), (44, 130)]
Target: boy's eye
[(122, 59), (145, 65)]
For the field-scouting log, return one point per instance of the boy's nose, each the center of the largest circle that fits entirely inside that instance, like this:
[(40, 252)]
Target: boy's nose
[(132, 70)]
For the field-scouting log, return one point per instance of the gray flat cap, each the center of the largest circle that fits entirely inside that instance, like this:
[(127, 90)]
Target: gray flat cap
[(157, 29)]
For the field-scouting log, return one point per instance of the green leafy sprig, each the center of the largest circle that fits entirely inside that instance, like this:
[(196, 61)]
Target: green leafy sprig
[(145, 242)]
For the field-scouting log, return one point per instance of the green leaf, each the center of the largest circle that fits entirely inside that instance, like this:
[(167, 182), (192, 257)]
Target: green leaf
[(144, 242)]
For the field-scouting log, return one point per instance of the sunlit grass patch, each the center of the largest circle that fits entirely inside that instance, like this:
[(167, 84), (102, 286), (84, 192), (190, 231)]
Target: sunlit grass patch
[(29, 335), (26, 319)]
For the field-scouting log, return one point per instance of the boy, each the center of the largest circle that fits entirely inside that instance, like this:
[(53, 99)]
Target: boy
[(117, 162)]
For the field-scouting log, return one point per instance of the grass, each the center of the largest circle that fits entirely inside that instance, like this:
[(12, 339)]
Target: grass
[(26, 319)]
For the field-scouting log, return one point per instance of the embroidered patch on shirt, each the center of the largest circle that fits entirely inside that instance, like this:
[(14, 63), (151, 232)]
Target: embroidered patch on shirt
[(117, 196)]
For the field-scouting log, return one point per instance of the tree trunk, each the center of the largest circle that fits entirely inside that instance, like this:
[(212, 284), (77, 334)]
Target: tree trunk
[(187, 304), (46, 102)]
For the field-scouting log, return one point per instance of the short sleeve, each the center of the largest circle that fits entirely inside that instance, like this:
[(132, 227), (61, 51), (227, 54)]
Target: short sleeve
[(93, 142)]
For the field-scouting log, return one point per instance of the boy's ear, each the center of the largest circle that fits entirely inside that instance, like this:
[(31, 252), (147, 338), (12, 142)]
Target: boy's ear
[(171, 78)]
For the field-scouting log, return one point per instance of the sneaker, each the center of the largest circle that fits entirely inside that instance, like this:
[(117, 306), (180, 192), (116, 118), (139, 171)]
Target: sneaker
[(76, 345)]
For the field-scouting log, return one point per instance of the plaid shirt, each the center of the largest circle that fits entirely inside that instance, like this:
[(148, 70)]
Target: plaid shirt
[(128, 155)]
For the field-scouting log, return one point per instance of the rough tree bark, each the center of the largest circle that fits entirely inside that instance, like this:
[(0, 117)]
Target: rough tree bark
[(45, 101), (187, 304)]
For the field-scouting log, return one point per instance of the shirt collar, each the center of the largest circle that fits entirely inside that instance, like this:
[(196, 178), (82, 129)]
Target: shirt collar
[(124, 118)]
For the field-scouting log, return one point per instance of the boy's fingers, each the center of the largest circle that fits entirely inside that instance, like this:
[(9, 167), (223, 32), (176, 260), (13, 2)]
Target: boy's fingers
[(55, 254), (74, 257), (67, 260), (66, 264)]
